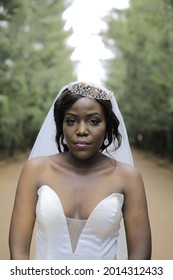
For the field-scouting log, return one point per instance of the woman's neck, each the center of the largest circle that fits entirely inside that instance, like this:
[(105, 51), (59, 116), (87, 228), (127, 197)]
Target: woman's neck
[(92, 163)]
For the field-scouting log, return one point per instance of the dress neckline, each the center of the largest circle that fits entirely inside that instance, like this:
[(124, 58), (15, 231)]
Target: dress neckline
[(82, 225), (57, 196), (76, 219)]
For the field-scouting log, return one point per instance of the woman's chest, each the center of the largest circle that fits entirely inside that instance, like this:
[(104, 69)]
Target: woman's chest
[(80, 193)]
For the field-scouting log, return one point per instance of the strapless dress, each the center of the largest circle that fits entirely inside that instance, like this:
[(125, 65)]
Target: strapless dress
[(62, 238)]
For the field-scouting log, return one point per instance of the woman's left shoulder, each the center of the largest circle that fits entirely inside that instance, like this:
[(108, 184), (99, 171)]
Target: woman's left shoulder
[(127, 169), (131, 176)]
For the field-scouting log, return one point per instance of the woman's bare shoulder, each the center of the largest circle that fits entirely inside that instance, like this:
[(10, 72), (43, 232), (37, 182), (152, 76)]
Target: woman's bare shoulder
[(131, 175), (38, 165), (42, 161), (35, 170), (127, 169)]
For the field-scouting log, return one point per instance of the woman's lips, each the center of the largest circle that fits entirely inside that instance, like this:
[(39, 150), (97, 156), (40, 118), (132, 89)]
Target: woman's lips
[(81, 144)]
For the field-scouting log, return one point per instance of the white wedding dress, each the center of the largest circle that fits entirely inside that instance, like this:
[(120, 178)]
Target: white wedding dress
[(62, 238)]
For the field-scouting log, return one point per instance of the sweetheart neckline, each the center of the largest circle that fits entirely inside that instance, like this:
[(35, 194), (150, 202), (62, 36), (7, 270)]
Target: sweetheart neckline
[(94, 209), (87, 221)]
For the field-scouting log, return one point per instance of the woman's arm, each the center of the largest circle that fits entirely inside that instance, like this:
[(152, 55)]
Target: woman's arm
[(23, 216), (136, 218)]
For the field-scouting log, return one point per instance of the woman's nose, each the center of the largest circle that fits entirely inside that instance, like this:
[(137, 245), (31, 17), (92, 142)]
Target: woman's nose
[(82, 129)]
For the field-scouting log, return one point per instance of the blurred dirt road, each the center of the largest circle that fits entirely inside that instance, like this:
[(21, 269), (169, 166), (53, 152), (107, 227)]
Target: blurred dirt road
[(158, 179)]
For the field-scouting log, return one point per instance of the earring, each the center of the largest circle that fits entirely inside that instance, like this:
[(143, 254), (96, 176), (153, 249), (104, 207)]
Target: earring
[(64, 141), (106, 142)]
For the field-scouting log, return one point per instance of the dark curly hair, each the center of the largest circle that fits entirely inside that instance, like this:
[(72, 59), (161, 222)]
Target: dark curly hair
[(66, 100)]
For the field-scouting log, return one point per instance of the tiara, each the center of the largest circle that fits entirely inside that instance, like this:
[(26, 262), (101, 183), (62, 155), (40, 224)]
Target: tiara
[(90, 90)]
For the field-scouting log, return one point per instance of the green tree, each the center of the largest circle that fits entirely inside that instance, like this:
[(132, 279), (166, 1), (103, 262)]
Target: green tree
[(141, 71), (36, 63)]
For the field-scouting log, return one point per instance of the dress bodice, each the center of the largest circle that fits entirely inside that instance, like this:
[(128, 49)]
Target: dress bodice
[(97, 238)]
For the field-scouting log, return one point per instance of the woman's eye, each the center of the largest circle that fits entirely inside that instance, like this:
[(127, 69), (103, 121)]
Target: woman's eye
[(94, 122), (71, 121)]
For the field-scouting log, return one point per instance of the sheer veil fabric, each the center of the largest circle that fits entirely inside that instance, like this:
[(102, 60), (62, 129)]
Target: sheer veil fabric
[(45, 145)]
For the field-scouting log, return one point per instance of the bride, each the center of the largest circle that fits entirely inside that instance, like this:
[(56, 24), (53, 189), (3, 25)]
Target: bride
[(79, 185)]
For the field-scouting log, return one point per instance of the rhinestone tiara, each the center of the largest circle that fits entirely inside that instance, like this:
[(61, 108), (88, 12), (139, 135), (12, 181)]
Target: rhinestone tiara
[(90, 90)]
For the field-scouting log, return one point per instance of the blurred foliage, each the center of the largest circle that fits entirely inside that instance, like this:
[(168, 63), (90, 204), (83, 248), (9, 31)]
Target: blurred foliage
[(35, 64), (141, 72)]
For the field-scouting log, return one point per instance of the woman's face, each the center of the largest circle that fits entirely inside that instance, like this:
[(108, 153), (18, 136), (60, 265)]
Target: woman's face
[(84, 128)]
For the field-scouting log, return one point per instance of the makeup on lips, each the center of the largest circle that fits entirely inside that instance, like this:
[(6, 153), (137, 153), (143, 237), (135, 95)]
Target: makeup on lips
[(81, 144)]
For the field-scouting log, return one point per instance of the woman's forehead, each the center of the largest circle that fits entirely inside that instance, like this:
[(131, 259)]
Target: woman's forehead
[(87, 105)]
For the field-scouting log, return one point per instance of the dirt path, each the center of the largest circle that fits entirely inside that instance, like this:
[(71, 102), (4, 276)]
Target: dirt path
[(158, 179)]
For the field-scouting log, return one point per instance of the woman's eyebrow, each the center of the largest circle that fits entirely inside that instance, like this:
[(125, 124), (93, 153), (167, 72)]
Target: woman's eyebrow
[(93, 114), (71, 114)]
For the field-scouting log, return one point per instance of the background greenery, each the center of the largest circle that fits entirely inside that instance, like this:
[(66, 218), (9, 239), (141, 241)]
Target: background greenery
[(35, 64), (141, 73)]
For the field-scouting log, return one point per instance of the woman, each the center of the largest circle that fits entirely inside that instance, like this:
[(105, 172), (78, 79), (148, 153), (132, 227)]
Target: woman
[(80, 196)]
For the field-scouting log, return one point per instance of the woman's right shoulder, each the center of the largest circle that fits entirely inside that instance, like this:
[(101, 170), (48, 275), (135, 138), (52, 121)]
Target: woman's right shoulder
[(36, 165), (42, 163), (34, 169), (35, 162)]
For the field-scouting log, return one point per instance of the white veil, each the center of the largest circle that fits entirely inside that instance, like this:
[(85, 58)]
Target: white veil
[(45, 145)]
